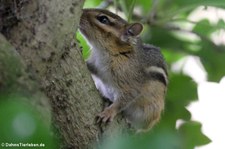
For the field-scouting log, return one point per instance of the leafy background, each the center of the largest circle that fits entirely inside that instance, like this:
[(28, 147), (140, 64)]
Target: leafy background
[(166, 24)]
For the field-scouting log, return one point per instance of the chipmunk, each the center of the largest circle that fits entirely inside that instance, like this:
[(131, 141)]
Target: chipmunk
[(129, 73)]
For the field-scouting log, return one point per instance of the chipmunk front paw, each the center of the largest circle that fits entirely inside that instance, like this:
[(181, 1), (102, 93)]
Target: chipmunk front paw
[(107, 115)]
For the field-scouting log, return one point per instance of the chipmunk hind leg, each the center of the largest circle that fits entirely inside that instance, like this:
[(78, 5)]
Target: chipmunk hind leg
[(143, 116)]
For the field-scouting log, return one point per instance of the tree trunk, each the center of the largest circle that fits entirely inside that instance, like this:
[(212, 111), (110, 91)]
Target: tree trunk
[(13, 77), (43, 33)]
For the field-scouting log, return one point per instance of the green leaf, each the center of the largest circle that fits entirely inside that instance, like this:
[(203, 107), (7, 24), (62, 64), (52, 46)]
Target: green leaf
[(213, 59), (192, 135), (172, 113), (92, 3), (212, 56), (181, 90), (221, 24), (204, 28), (172, 56), (85, 47)]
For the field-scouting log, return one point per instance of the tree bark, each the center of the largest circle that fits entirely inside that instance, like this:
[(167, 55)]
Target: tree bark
[(14, 79), (43, 33)]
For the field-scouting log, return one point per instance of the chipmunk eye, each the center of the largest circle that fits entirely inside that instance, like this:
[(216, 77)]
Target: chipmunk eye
[(103, 19)]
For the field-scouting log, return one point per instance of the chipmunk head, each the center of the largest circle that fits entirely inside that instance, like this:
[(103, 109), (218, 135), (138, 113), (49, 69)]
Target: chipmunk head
[(105, 30)]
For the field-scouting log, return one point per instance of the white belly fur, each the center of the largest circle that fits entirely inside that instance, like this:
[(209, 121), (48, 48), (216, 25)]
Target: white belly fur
[(106, 90)]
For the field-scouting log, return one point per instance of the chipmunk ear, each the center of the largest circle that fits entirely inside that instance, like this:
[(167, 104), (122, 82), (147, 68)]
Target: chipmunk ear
[(134, 29), (131, 30)]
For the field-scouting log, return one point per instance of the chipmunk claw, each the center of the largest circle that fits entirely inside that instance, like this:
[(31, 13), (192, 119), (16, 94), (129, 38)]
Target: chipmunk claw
[(107, 115)]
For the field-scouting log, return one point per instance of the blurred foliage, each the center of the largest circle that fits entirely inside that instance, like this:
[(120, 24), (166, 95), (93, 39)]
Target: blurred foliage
[(165, 24), (20, 123)]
